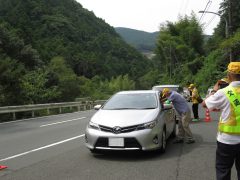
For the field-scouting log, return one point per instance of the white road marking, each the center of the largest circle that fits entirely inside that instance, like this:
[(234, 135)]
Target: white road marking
[(28, 119), (60, 122), (44, 147)]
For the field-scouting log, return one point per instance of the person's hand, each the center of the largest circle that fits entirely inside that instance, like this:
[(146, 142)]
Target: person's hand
[(162, 100), (216, 86)]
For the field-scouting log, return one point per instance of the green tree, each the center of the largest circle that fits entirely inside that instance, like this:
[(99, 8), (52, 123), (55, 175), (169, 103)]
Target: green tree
[(10, 75), (34, 89), (179, 44), (121, 83), (150, 79), (66, 79)]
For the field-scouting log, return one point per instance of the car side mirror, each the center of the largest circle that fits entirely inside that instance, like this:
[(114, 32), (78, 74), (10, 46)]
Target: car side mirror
[(97, 107), (167, 106)]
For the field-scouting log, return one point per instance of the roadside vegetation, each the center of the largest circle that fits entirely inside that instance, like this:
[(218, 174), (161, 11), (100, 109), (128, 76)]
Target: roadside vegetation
[(55, 51), (185, 55)]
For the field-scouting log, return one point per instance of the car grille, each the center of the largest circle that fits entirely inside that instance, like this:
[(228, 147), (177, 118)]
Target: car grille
[(128, 143), (123, 129)]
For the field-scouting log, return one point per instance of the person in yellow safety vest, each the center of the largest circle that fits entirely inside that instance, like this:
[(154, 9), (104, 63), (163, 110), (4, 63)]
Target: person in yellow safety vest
[(194, 96), (227, 100)]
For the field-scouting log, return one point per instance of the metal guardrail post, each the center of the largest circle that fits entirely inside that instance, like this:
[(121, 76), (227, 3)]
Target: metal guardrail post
[(14, 116), (48, 112), (33, 114)]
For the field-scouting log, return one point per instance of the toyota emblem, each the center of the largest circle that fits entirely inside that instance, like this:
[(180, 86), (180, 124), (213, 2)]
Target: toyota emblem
[(117, 130)]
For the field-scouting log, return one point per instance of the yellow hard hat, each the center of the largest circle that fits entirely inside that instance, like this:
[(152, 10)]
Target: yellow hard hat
[(165, 91), (234, 67), (191, 86)]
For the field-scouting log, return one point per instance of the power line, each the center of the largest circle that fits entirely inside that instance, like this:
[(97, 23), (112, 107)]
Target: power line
[(181, 7), (186, 5), (209, 22), (206, 8)]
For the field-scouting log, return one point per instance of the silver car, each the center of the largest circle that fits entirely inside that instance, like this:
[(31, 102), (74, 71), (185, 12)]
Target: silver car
[(131, 120)]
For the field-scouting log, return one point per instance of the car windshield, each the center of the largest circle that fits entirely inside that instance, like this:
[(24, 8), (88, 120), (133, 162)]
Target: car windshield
[(132, 101)]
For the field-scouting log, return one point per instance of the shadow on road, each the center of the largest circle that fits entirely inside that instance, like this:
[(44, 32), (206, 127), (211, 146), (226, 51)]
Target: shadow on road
[(173, 150)]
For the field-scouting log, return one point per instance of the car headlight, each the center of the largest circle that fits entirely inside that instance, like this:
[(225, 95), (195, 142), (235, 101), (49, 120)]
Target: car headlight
[(148, 125), (93, 125)]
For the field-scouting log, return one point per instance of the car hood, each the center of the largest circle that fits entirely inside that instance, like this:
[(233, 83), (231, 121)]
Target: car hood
[(124, 118)]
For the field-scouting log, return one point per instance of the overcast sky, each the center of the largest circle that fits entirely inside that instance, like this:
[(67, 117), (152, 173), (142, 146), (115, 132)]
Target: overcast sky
[(147, 15)]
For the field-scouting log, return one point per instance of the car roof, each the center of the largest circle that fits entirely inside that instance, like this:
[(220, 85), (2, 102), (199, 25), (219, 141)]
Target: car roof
[(167, 85)]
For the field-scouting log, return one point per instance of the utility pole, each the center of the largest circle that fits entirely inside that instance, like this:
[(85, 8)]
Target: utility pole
[(230, 17), (230, 26), (225, 19)]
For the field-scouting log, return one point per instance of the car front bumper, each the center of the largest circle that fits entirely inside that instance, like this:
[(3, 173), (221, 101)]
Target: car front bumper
[(146, 139)]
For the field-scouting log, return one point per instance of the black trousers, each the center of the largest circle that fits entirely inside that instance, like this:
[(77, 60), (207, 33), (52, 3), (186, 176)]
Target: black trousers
[(195, 110), (226, 155)]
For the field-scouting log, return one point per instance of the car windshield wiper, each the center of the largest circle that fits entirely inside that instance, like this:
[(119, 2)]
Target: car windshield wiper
[(129, 108), (120, 108), (147, 108)]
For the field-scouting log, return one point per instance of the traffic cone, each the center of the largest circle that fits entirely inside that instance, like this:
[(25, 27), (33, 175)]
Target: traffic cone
[(2, 167), (207, 116)]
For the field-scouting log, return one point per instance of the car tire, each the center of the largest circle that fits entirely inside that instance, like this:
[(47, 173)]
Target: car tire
[(94, 151), (163, 142)]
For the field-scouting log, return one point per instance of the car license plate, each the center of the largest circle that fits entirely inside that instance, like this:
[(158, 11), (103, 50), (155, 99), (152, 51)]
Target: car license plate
[(119, 142)]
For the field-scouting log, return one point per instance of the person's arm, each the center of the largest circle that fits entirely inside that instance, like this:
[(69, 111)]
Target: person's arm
[(215, 89), (204, 104), (163, 99), (215, 101)]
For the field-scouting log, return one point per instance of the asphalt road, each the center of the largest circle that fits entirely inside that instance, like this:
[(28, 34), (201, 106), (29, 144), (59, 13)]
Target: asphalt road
[(52, 148)]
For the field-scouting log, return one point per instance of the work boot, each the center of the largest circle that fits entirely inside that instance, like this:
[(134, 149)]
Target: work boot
[(190, 141), (178, 141), (195, 120)]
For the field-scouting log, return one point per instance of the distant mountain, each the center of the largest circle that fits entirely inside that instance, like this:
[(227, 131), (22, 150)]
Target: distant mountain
[(64, 28), (141, 40), (37, 35)]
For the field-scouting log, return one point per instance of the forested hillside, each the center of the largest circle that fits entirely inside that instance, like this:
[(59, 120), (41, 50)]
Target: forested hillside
[(184, 56), (141, 40), (55, 50)]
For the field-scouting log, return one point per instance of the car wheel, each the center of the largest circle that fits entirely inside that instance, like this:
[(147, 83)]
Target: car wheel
[(164, 141)]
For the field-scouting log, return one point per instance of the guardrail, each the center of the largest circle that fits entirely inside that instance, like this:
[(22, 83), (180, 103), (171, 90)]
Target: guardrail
[(87, 105)]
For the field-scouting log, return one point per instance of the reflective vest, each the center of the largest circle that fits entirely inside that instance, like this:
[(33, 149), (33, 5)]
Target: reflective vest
[(232, 125)]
